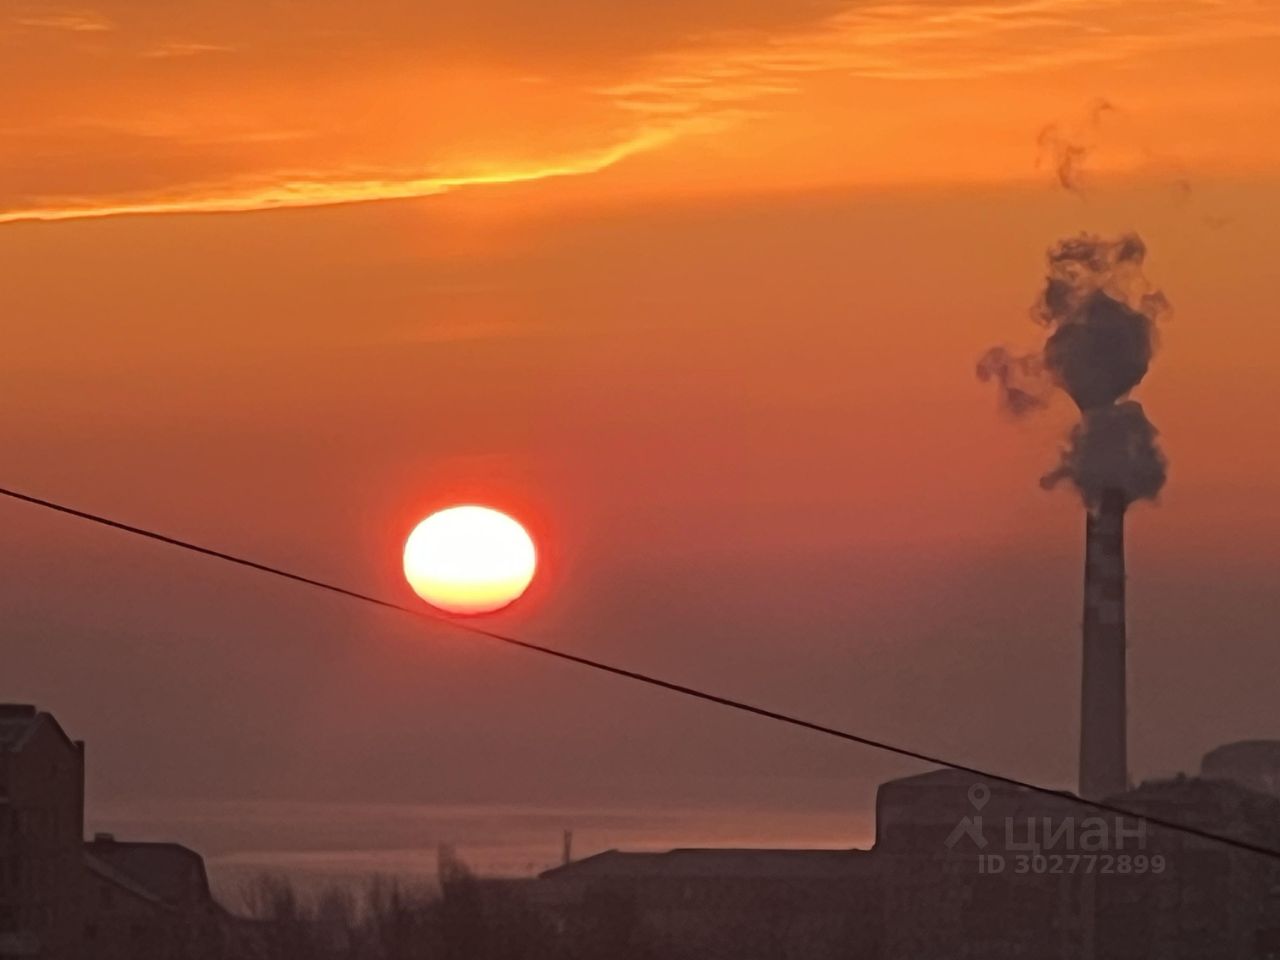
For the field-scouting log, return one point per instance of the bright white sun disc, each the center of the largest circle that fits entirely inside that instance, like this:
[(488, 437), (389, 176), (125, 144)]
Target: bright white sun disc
[(469, 560)]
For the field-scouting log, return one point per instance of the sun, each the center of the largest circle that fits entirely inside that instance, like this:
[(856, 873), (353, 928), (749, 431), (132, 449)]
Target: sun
[(469, 560)]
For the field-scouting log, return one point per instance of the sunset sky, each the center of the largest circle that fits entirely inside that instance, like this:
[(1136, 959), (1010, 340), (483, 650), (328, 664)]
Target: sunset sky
[(694, 289)]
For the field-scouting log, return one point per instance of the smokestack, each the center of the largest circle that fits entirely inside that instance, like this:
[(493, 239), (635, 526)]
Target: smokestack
[(566, 857), (1103, 737), (1100, 314)]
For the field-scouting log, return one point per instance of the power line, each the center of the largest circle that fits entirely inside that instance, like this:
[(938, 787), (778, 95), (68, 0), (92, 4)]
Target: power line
[(644, 678)]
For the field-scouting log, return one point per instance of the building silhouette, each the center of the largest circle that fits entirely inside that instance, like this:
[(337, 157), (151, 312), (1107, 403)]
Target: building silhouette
[(1250, 763), (64, 899), (961, 867), (41, 835), (746, 904), (967, 868)]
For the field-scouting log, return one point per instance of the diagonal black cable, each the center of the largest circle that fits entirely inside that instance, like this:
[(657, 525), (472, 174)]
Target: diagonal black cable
[(644, 678)]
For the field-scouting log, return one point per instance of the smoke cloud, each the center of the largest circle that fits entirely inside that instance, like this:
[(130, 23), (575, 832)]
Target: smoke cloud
[(1067, 150), (1021, 379), (1112, 447), (1101, 313)]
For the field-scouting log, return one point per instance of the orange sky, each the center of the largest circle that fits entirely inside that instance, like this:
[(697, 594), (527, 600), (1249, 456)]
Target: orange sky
[(694, 288)]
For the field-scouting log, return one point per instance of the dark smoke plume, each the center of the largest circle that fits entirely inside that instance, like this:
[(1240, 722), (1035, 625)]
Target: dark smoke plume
[(1112, 447), (1067, 150), (1101, 312), (1022, 384)]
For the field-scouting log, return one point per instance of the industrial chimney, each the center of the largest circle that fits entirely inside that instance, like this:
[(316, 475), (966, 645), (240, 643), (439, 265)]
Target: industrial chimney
[(1103, 736)]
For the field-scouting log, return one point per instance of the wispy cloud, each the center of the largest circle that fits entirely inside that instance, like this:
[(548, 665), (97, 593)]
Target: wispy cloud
[(324, 189), (709, 88), (179, 48), (74, 21), (941, 40)]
